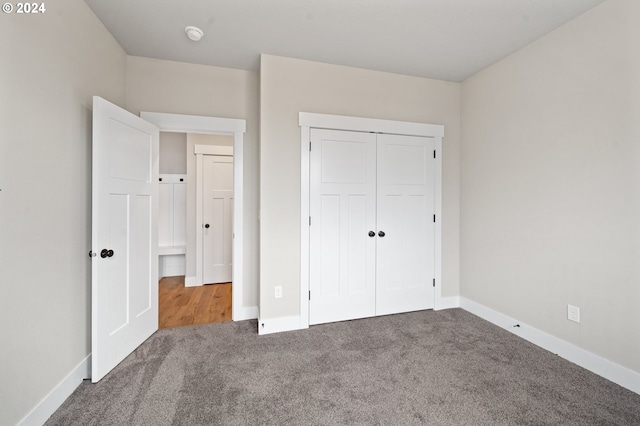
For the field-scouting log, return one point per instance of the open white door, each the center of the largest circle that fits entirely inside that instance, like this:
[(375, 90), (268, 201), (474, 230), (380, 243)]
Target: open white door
[(124, 271)]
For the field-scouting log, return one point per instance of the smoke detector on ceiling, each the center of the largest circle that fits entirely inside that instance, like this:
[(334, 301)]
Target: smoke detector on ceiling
[(194, 33)]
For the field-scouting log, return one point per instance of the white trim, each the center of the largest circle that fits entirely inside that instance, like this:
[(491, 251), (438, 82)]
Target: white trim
[(199, 224), (179, 123), (359, 124), (54, 399), (277, 325), (246, 313), (237, 288), (437, 267), (616, 373), (305, 138), (446, 302), (213, 150), (307, 121), (225, 126)]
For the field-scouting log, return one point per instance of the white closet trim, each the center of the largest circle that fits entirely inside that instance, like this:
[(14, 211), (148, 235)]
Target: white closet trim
[(307, 121), (359, 124)]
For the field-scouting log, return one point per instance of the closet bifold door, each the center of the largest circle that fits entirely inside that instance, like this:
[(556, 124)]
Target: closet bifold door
[(343, 214), (405, 206)]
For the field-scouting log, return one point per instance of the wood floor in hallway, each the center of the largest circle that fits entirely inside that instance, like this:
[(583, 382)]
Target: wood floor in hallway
[(180, 305)]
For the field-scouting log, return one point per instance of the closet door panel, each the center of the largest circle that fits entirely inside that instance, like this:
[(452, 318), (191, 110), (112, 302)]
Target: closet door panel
[(405, 206), (342, 206)]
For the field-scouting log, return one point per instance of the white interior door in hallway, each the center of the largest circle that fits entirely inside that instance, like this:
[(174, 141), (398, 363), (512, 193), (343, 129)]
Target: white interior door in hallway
[(217, 216), (372, 240)]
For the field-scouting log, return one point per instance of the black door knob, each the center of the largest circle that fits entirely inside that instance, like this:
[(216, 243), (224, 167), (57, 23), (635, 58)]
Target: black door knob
[(206, 225), (372, 234), (381, 234), (110, 253), (104, 253)]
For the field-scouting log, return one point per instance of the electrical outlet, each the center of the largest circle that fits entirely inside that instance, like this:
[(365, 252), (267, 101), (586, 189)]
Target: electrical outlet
[(573, 313), (278, 294)]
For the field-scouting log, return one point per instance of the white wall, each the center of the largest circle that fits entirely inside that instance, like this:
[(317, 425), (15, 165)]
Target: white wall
[(181, 88), (50, 67), (173, 153), (550, 204), (288, 86)]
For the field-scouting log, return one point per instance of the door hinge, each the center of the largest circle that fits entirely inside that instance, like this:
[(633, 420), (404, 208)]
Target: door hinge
[(309, 146), (309, 294), (434, 218), (434, 282), (434, 153), (309, 220)]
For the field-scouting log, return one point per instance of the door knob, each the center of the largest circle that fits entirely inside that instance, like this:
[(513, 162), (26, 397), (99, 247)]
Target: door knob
[(381, 234), (206, 225), (372, 234), (106, 253)]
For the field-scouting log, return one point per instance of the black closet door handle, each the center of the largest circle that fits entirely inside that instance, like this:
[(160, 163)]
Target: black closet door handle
[(372, 234), (381, 234), (206, 226)]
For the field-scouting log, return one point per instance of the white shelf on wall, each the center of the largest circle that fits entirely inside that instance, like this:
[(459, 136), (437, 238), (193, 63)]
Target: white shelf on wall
[(168, 250), (172, 223)]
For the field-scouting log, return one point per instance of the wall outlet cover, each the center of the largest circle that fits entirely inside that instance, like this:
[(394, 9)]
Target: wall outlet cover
[(573, 313)]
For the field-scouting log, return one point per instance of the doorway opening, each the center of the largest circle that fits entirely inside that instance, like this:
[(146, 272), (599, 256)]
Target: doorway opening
[(187, 295), (196, 203)]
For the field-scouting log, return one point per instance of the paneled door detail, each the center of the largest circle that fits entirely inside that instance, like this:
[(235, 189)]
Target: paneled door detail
[(342, 206), (124, 271), (372, 233), (217, 216), (405, 243)]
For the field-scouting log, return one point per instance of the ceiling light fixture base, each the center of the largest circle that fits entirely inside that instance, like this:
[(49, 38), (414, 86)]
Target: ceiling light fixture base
[(194, 33)]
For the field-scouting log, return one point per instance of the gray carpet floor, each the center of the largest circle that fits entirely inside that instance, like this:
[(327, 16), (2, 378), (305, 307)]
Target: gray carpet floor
[(442, 368)]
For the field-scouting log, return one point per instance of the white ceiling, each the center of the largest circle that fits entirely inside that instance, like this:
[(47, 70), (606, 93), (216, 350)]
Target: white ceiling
[(442, 39)]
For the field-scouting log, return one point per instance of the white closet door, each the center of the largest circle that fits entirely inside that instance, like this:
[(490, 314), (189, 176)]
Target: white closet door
[(405, 201), (343, 212), (217, 216)]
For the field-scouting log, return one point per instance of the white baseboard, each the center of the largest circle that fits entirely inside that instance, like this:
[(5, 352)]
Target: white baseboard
[(245, 313), (277, 325), (173, 271), (50, 403), (596, 364), (447, 303), (190, 281)]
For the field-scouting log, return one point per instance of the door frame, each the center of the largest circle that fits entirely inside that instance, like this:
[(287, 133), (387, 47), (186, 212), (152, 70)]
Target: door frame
[(307, 121), (179, 123)]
